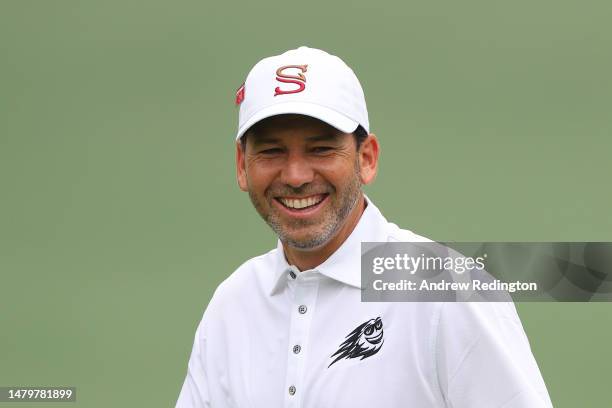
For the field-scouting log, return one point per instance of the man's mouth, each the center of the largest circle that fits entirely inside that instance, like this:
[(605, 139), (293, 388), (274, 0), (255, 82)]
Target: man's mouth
[(301, 203)]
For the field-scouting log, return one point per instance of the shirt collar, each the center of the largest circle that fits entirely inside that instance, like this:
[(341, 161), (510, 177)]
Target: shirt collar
[(344, 265)]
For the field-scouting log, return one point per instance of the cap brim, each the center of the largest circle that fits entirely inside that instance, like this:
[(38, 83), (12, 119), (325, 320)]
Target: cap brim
[(329, 116)]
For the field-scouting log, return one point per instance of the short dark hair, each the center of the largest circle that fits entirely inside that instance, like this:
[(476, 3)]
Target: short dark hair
[(360, 135)]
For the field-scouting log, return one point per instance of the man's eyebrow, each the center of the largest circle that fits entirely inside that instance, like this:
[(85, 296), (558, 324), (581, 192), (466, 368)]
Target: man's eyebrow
[(264, 139), (324, 137)]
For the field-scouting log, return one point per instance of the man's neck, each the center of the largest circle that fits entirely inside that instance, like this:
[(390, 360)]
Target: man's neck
[(305, 260)]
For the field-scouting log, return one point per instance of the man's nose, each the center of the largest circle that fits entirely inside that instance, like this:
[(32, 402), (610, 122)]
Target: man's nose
[(297, 171)]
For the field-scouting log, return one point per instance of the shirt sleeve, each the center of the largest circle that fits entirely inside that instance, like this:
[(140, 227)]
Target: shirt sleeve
[(195, 391), (484, 360)]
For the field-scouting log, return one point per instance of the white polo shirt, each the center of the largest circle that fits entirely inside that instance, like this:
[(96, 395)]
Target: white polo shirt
[(276, 337)]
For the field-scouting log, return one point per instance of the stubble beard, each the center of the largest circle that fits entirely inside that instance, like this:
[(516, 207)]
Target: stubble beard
[(331, 222)]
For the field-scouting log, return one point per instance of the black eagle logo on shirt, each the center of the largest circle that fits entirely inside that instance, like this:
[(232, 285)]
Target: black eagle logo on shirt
[(364, 341)]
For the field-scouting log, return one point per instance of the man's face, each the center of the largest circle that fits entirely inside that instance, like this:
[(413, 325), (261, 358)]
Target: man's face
[(303, 177)]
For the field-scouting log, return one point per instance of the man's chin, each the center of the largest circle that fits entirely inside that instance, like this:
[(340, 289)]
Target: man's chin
[(305, 243)]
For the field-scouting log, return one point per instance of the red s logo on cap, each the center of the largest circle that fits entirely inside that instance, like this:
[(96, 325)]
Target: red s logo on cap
[(299, 79)]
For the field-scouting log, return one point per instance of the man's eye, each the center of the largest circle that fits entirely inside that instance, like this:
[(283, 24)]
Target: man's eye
[(322, 149), (274, 150)]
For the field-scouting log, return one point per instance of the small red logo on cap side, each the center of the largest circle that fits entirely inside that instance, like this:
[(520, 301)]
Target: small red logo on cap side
[(240, 95), (299, 79)]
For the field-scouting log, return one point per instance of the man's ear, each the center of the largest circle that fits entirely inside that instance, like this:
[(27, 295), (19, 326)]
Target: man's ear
[(368, 159), (241, 167)]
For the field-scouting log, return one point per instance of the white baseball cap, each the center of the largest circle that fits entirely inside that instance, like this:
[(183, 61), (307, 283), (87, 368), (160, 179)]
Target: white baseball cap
[(306, 81)]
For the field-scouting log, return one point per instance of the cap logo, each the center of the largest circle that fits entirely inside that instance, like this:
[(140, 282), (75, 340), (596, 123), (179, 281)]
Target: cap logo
[(299, 79), (240, 95)]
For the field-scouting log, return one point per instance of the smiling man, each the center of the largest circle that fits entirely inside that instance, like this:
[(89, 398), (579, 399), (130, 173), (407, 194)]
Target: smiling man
[(288, 328), (304, 178)]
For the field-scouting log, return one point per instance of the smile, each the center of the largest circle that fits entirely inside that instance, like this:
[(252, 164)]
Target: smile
[(301, 203)]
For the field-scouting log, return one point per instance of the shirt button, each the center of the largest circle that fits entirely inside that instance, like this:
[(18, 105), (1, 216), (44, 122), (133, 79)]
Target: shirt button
[(292, 274), (292, 390), (297, 349), (302, 309)]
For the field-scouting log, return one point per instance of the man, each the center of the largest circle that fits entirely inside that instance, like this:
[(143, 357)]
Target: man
[(288, 328)]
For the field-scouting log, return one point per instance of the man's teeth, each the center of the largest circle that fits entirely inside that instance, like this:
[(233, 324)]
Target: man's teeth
[(299, 203)]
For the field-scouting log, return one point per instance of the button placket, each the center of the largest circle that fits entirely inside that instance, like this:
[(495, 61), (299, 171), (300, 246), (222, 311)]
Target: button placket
[(304, 297)]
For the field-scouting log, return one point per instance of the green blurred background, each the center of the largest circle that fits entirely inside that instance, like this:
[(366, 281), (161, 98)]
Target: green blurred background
[(119, 210)]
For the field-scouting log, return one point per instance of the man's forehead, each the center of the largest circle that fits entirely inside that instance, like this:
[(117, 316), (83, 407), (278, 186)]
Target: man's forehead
[(290, 123)]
